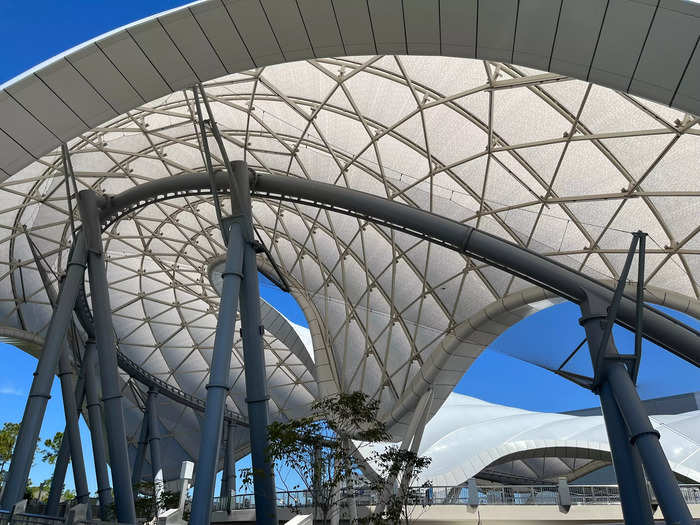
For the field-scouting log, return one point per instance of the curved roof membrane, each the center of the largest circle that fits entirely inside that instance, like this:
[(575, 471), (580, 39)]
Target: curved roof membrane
[(469, 438), (563, 166)]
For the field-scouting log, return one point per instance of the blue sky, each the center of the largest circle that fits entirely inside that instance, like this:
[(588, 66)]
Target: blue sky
[(36, 31)]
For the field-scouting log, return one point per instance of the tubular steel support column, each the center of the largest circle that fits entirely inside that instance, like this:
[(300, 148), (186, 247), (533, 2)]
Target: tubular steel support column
[(619, 397), (228, 477), (218, 386), (646, 439), (59, 472), (106, 352), (140, 452), (104, 490), (70, 410), (254, 361), (58, 479), (224, 472), (154, 443), (39, 393), (636, 506)]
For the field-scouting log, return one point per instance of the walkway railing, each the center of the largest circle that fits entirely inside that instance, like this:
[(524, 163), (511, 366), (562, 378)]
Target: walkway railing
[(445, 495)]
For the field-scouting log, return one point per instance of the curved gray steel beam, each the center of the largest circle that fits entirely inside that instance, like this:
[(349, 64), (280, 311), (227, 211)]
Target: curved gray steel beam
[(171, 392), (659, 328)]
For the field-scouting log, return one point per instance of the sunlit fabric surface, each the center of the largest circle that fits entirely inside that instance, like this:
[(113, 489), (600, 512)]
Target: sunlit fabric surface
[(563, 167), (469, 437)]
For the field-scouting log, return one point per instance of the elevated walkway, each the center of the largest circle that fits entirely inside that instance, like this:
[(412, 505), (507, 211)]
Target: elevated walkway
[(496, 505)]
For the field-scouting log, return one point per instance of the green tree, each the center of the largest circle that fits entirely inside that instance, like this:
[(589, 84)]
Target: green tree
[(8, 437), (29, 490), (68, 495), (147, 506), (402, 498), (43, 490), (318, 450), (49, 452)]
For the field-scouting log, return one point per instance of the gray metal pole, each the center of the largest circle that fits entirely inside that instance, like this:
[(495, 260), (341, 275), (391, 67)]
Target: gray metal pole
[(40, 391), (104, 490), (70, 410), (106, 352), (625, 402), (257, 394), (154, 443), (646, 439), (58, 479), (218, 386), (59, 472), (229, 477), (224, 473), (636, 505), (140, 452)]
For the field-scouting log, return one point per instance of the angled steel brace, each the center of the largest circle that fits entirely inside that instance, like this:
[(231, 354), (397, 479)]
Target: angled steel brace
[(571, 355), (601, 352), (70, 181), (208, 163), (632, 360), (283, 284), (41, 385), (235, 190), (639, 313)]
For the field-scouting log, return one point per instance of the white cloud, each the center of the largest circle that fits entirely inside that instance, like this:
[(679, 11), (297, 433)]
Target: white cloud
[(9, 390)]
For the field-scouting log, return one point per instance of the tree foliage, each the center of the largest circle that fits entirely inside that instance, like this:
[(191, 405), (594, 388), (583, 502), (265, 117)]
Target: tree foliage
[(147, 505), (49, 452), (8, 437), (318, 448), (399, 469)]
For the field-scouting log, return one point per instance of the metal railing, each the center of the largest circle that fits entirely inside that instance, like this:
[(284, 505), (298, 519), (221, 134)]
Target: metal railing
[(459, 495), (7, 518)]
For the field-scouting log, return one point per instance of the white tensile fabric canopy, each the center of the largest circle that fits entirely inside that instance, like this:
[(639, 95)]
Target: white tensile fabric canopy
[(562, 166)]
